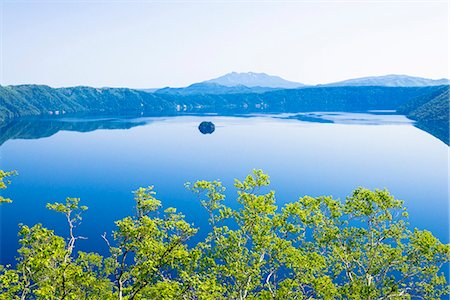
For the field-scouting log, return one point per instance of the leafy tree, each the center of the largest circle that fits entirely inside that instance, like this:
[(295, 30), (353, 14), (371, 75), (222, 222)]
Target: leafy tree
[(318, 247), (4, 184), (150, 251), (314, 248), (47, 268)]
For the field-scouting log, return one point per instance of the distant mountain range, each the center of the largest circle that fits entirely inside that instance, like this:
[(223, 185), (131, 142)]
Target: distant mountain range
[(213, 88), (250, 82), (390, 80), (251, 79)]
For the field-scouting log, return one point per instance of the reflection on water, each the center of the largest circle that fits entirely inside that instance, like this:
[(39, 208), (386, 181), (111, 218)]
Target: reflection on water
[(437, 129), (33, 128), (102, 167), (375, 118)]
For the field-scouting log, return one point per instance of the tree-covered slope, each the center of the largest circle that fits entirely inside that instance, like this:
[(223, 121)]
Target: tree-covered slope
[(436, 109), (440, 93), (344, 98), (30, 100), (431, 111)]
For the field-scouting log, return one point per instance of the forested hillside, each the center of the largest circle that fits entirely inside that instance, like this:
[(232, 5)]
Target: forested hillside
[(431, 111), (31, 100), (433, 107)]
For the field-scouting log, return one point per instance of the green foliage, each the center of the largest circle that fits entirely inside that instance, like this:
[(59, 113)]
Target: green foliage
[(430, 107), (431, 111), (314, 248), (148, 250), (429, 104), (4, 184), (32, 100), (47, 269), (435, 110)]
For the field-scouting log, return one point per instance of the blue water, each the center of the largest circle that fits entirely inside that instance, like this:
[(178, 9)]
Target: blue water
[(103, 166)]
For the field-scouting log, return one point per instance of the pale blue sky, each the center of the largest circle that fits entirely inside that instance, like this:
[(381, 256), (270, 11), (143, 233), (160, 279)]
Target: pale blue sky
[(143, 44)]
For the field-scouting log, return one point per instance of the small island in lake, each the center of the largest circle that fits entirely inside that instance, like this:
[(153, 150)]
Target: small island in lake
[(206, 127)]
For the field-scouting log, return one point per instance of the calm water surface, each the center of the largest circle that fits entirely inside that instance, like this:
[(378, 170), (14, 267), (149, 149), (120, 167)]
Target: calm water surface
[(102, 167)]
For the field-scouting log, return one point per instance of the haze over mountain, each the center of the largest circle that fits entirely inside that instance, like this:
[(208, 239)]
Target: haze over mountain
[(212, 88), (390, 80), (251, 82), (251, 79)]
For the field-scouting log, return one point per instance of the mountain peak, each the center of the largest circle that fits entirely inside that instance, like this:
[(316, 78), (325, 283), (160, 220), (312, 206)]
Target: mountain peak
[(252, 79), (393, 80)]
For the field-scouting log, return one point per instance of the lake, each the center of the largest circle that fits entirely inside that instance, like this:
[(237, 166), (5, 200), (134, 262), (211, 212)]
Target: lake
[(101, 160)]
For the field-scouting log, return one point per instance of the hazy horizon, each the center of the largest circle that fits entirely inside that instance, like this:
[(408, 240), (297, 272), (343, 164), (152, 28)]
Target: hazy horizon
[(151, 44), (171, 86)]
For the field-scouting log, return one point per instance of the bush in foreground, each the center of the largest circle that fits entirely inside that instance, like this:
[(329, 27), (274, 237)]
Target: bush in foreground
[(314, 248)]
